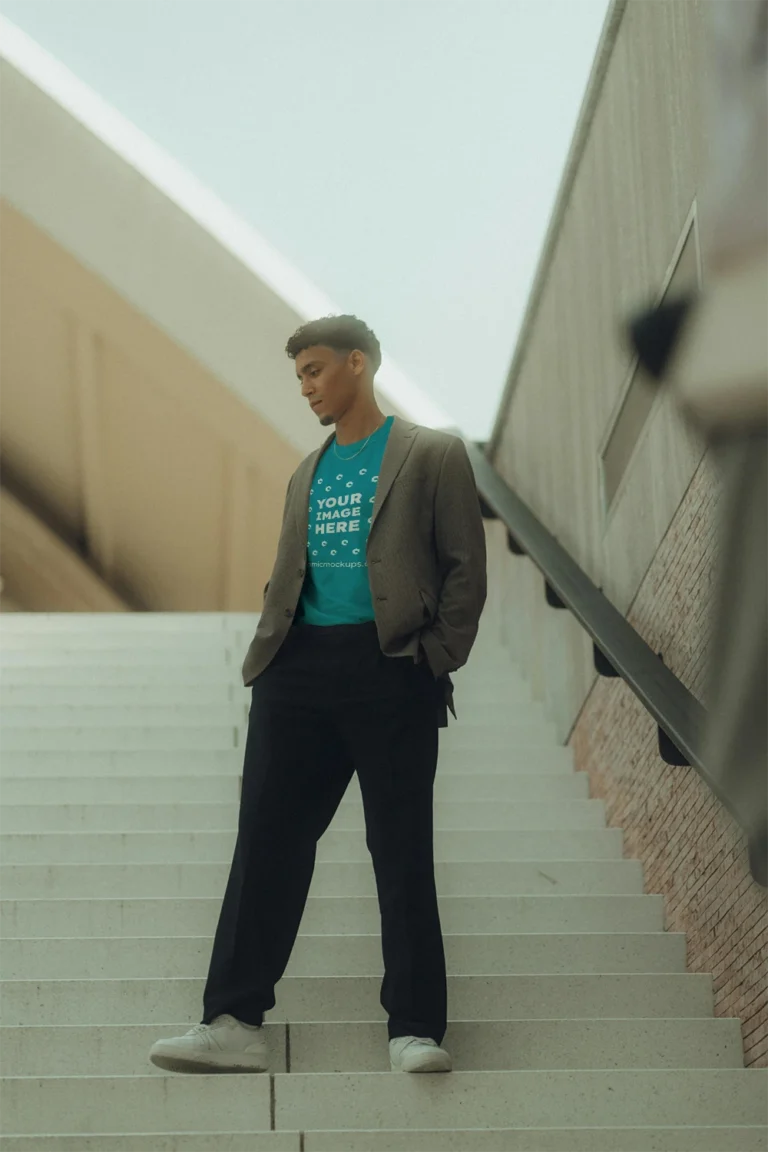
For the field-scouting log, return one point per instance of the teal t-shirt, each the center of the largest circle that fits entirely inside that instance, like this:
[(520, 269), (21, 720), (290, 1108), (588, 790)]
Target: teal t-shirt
[(336, 588)]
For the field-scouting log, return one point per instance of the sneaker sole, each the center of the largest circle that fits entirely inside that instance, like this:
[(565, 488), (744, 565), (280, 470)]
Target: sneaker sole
[(171, 1062), (439, 1062)]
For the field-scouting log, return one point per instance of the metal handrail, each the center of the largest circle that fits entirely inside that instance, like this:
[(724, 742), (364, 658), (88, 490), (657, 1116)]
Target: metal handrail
[(619, 649)]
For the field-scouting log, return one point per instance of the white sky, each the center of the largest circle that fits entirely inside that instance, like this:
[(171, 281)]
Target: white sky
[(403, 154)]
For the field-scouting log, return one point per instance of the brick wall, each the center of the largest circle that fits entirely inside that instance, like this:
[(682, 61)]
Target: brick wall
[(693, 853)]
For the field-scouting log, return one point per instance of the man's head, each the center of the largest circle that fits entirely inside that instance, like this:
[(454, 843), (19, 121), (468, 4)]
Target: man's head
[(336, 359)]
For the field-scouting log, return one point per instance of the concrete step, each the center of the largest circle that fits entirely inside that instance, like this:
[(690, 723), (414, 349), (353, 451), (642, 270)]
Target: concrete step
[(169, 658), (135, 1104), (189, 916), (643, 1138), (112, 676), (525, 758), (117, 737), (479, 737), (474, 687), (164, 1142), (216, 691), (482, 706), (533, 1099), (456, 878), (73, 623), (61, 644), (648, 1014), (480, 689), (497, 1045), (355, 998), (183, 738), (111, 1050), (492, 696), (159, 1142), (500, 672), (458, 785), (481, 677), (509, 709), (218, 657), (166, 695), (221, 788), (154, 713), (170, 957), (175, 847), (217, 788), (490, 659), (66, 717), (489, 711), (640, 1139), (146, 762), (501, 1045), (498, 815)]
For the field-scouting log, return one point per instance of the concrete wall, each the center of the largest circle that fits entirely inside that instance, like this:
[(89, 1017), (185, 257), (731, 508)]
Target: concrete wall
[(624, 231), (693, 853), (155, 472), (631, 202), (41, 572)]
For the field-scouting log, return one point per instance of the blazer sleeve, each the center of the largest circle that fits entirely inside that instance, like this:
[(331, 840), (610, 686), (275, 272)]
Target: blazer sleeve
[(285, 516), (461, 553)]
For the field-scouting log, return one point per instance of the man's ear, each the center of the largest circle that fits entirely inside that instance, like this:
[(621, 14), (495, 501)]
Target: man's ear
[(357, 362)]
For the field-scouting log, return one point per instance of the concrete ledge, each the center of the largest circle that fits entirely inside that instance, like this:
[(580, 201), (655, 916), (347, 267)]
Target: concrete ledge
[(180, 916), (500, 954), (526, 1099), (356, 998)]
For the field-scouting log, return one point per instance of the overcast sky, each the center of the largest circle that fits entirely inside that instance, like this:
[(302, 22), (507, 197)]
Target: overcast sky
[(403, 154)]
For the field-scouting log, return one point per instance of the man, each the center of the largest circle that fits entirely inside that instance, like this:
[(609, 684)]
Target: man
[(374, 599)]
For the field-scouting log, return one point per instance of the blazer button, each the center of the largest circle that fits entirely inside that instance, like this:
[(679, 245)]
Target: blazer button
[(289, 612)]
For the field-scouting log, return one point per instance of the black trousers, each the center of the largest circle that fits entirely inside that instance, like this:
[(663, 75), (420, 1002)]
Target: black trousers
[(329, 705)]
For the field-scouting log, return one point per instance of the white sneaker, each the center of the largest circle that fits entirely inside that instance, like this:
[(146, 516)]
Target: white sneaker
[(224, 1045), (414, 1054)]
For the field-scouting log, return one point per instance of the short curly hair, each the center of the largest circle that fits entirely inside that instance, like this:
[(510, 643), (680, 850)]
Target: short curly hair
[(342, 333)]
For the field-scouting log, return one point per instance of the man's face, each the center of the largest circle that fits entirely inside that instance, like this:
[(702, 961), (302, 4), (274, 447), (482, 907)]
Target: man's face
[(329, 380)]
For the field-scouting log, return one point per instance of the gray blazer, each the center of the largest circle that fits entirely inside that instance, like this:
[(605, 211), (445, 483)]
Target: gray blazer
[(426, 555)]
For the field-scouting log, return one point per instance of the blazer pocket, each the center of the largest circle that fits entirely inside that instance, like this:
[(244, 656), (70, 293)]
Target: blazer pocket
[(430, 603)]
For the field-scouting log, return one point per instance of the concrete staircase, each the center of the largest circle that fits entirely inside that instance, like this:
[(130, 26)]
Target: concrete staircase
[(574, 1022)]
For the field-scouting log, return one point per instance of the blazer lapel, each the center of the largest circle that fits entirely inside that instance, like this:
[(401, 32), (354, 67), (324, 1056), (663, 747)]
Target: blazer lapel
[(303, 485), (399, 444)]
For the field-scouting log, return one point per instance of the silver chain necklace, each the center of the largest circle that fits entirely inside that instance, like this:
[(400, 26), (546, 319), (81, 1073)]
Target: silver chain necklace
[(362, 449)]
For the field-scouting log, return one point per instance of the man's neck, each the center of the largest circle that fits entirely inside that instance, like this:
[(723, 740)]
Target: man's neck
[(355, 426)]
